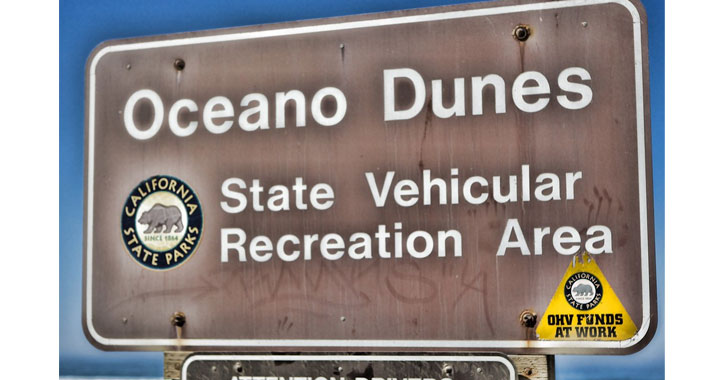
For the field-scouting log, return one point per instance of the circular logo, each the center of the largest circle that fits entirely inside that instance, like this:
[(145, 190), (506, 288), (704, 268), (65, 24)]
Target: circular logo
[(583, 291), (161, 222)]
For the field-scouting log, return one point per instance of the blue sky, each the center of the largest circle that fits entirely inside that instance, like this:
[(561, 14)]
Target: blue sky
[(85, 24)]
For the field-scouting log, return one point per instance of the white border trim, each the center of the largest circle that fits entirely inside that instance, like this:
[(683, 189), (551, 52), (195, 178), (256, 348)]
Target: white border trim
[(350, 358), (461, 344)]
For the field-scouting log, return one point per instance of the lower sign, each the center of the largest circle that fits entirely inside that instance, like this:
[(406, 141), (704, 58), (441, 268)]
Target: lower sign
[(341, 367)]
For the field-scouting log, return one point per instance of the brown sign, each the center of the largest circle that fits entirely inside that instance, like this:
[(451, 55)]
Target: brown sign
[(344, 367), (417, 180)]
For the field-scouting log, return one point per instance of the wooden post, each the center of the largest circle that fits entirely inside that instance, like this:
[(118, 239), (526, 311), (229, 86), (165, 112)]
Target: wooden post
[(172, 364), (534, 367)]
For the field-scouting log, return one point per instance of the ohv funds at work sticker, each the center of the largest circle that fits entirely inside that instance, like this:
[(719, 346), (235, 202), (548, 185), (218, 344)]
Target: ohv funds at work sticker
[(585, 307)]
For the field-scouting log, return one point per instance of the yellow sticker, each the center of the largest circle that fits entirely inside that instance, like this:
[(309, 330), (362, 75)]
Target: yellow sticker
[(585, 307)]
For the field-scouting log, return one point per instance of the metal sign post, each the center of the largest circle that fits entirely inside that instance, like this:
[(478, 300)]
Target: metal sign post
[(414, 181)]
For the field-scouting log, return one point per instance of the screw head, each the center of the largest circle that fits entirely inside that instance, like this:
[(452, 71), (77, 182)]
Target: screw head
[(178, 319), (179, 64), (522, 32), (238, 367), (528, 318)]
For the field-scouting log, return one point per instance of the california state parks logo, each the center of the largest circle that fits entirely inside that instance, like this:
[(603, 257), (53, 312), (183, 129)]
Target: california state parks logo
[(161, 222), (583, 291)]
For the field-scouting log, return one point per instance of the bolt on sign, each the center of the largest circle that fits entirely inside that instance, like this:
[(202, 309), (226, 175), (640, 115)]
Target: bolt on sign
[(343, 367), (415, 181)]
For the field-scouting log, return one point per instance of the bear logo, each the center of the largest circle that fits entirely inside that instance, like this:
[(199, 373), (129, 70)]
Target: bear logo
[(161, 219), (583, 290)]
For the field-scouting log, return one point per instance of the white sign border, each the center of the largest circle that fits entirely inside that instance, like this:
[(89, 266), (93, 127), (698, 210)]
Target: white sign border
[(477, 344)]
